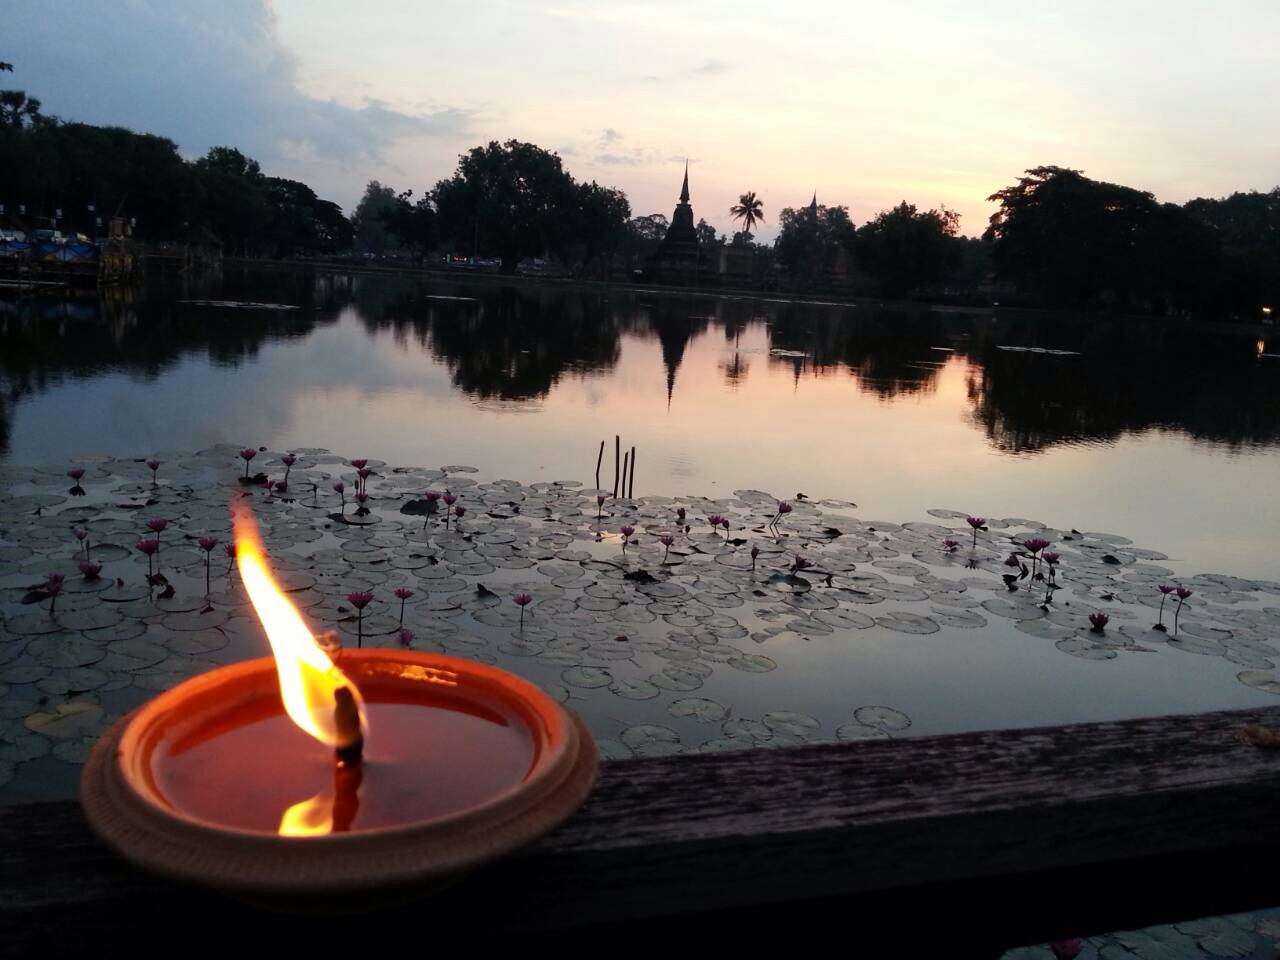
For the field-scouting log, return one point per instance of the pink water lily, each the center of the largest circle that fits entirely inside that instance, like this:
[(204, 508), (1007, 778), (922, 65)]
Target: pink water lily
[(950, 545), (53, 587), (288, 460), (1182, 593), (157, 524), (81, 534), (626, 532), (75, 473), (522, 600), (666, 540), (714, 520), (90, 570), (432, 496), (1165, 589), (148, 546), (360, 463), (976, 523), (406, 638), (1099, 621), (360, 599), (403, 594), (783, 509), (229, 549), (154, 464), (680, 514), (800, 563), (247, 454), (1067, 949), (449, 499), (1035, 544)]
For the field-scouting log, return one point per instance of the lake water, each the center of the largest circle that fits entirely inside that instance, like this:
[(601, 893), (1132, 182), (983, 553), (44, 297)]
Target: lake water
[(1167, 434)]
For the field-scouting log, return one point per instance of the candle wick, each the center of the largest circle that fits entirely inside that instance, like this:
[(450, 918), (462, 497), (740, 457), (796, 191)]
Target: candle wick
[(346, 716)]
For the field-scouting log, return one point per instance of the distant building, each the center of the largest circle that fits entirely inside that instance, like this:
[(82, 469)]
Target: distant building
[(679, 258)]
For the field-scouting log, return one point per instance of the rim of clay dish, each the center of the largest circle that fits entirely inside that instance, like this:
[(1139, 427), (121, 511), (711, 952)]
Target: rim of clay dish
[(124, 807)]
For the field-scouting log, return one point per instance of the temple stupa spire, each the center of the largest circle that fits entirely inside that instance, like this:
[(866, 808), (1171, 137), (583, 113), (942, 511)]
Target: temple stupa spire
[(684, 190)]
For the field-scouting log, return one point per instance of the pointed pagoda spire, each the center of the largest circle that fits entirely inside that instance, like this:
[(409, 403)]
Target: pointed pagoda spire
[(684, 190), (813, 206)]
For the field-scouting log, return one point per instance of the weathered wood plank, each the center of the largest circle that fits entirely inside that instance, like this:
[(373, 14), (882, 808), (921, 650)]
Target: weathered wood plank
[(1074, 829)]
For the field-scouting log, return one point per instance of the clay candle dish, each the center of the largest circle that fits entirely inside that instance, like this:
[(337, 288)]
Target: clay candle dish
[(314, 785)]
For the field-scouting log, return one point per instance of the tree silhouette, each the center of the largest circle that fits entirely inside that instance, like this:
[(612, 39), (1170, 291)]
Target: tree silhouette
[(513, 199), (749, 209)]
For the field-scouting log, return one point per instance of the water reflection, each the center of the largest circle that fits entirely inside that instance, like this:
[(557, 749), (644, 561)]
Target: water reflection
[(516, 344)]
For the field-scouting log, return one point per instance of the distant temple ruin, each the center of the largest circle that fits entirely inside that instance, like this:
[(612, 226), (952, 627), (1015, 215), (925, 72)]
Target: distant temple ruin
[(679, 258)]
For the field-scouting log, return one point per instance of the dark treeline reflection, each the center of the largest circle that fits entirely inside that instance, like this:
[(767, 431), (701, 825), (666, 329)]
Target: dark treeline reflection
[(514, 344)]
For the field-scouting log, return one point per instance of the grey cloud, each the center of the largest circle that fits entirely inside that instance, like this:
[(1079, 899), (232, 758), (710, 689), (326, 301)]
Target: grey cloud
[(202, 76)]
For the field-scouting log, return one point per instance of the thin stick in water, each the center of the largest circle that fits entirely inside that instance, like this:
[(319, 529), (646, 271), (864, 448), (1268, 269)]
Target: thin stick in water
[(624, 474), (599, 460), (631, 487), (617, 463)]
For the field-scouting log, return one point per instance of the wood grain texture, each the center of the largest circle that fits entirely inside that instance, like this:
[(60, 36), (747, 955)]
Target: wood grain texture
[(1016, 836)]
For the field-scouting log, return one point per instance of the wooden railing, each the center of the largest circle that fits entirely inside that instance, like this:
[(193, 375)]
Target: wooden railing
[(949, 846)]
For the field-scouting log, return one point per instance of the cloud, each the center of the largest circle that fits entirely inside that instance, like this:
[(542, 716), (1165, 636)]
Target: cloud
[(203, 76), (707, 68)]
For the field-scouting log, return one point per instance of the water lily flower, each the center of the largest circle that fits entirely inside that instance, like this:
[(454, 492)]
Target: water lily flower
[(154, 464), (403, 594), (680, 514), (1182, 593), (666, 540), (714, 520), (522, 600), (432, 496), (977, 523), (75, 473), (1067, 949), (360, 599), (247, 454), (230, 550), (800, 563), (1035, 544), (360, 464), (449, 499), (81, 534), (724, 522), (626, 532), (90, 570), (755, 552), (148, 546), (1099, 621), (53, 587), (157, 525), (783, 509), (1049, 557), (406, 638), (281, 486), (1012, 560), (340, 489), (950, 545), (1165, 589)]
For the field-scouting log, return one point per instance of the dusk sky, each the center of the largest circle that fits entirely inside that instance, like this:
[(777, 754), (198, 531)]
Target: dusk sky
[(935, 102)]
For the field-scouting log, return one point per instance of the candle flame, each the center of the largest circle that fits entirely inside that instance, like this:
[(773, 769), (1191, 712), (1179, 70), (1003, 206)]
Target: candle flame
[(308, 678)]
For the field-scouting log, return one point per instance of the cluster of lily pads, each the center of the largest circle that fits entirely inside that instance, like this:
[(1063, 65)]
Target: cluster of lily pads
[(662, 620)]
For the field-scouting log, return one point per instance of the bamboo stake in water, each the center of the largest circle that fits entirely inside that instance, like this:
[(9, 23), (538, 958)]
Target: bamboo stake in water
[(631, 487), (617, 463), (624, 474), (599, 460)]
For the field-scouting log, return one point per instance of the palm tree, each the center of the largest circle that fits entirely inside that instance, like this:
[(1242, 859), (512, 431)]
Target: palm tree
[(749, 209)]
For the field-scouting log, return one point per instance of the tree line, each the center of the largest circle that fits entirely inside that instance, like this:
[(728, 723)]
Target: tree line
[(1056, 239)]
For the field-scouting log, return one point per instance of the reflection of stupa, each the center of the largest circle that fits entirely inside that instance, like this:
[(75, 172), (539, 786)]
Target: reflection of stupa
[(678, 258)]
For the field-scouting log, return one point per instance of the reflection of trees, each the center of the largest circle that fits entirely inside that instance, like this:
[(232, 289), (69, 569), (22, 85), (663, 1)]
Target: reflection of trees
[(44, 339), (507, 343), (889, 352), (1131, 376)]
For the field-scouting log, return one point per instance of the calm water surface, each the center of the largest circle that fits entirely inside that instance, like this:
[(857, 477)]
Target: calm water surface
[(1164, 433)]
